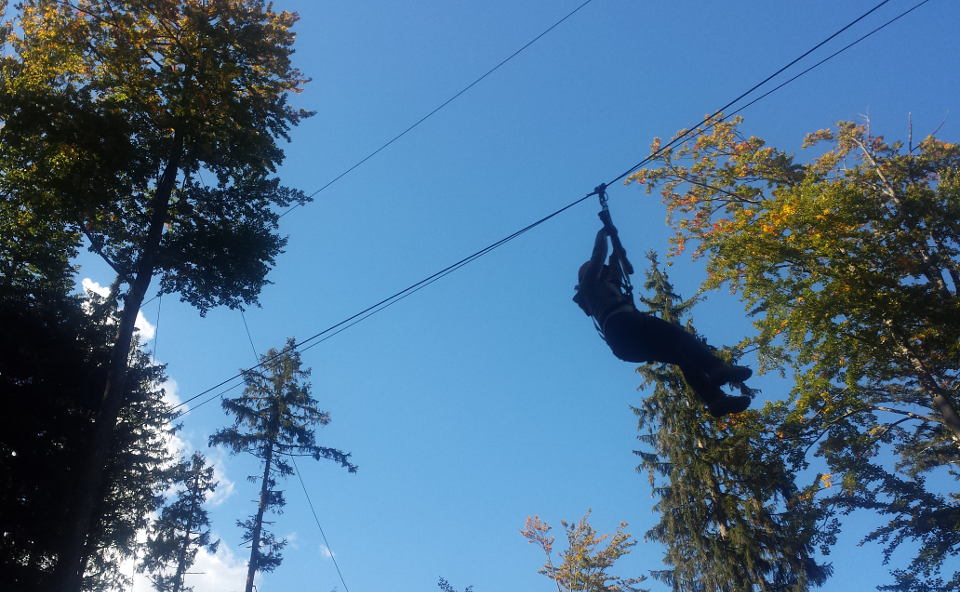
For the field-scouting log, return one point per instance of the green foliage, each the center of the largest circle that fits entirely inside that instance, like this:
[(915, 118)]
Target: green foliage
[(149, 130), (182, 527), (584, 564), (113, 114), (849, 265), (275, 419), (731, 517)]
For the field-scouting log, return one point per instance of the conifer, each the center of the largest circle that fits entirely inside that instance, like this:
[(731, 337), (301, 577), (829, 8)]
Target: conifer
[(275, 419)]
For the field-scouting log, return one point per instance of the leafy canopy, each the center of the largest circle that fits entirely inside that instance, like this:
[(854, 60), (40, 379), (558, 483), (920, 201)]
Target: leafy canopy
[(849, 266), (119, 119)]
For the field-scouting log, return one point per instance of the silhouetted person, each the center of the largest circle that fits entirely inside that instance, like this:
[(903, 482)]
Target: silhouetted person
[(638, 337)]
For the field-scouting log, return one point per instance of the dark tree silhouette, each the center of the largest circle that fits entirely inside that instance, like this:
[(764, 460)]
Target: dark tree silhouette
[(182, 527)]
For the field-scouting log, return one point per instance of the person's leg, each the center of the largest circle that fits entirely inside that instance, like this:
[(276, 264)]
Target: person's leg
[(637, 337), (682, 347), (627, 335)]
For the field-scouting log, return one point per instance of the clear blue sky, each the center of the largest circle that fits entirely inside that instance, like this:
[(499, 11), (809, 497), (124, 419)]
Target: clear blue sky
[(488, 397)]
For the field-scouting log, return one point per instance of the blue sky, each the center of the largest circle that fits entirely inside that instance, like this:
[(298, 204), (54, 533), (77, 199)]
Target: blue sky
[(488, 397)]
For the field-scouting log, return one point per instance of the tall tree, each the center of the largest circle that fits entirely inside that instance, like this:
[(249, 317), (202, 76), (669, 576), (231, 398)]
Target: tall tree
[(108, 113), (731, 517), (182, 527), (850, 264), (275, 420), (584, 564)]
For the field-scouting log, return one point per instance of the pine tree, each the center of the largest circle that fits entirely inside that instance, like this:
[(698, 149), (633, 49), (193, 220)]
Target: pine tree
[(182, 528), (731, 518), (275, 420)]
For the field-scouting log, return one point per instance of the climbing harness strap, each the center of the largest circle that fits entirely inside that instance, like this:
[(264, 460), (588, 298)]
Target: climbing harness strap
[(619, 255)]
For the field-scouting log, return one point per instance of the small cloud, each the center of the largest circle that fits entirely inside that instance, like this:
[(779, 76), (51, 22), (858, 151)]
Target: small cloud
[(92, 286), (210, 572), (146, 330), (171, 392), (217, 572), (326, 552), (225, 487)]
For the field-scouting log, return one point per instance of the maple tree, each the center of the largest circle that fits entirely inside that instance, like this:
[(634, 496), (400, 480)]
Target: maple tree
[(585, 562), (849, 266)]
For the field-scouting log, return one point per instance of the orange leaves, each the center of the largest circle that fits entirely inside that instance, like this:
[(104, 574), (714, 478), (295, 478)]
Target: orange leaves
[(537, 531), (816, 137)]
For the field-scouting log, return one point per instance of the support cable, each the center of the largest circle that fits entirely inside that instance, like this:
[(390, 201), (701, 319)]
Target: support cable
[(156, 327), (317, 520), (441, 105)]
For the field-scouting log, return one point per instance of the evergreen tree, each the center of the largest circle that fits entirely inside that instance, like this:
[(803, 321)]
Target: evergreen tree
[(731, 517), (182, 527), (275, 419)]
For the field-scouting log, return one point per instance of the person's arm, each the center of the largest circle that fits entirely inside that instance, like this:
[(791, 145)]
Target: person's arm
[(592, 270)]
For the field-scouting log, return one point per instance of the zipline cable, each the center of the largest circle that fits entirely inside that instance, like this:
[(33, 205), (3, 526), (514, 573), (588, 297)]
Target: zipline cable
[(397, 296), (442, 105), (753, 88), (829, 57)]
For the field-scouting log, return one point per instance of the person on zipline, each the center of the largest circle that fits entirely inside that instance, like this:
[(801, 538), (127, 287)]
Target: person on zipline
[(638, 337)]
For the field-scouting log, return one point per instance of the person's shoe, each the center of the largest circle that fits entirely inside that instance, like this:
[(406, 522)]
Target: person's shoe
[(726, 374), (726, 405)]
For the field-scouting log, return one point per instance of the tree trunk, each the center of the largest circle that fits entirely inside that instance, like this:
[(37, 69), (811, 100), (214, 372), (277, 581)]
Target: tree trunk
[(182, 553), (261, 508), (69, 572)]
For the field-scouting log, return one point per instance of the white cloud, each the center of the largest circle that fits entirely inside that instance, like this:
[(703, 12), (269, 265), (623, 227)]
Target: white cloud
[(225, 487), (171, 392), (218, 572), (92, 286), (292, 539), (179, 447), (146, 330), (326, 552), (210, 572)]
